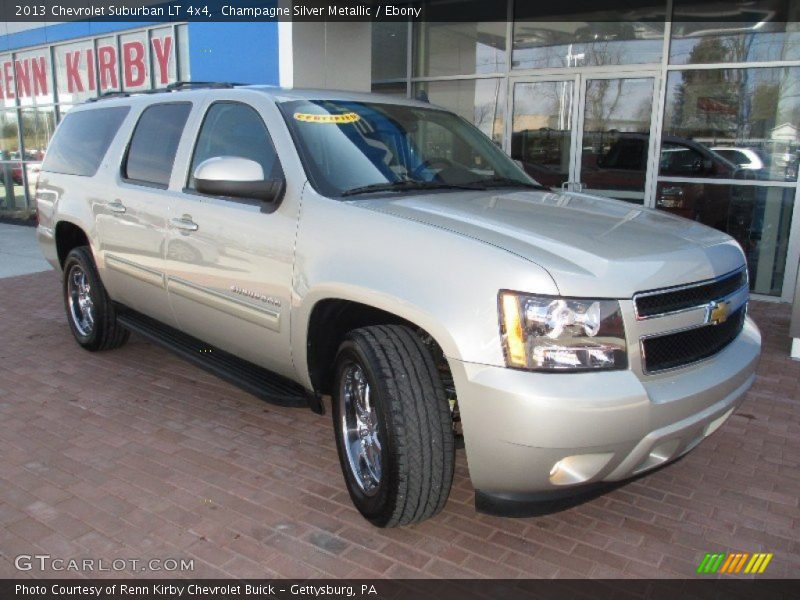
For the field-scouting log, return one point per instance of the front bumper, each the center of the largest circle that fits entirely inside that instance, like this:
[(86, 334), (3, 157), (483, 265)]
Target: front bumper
[(553, 434)]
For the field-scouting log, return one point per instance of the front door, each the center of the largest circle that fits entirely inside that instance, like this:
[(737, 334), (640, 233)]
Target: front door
[(229, 262), (586, 132)]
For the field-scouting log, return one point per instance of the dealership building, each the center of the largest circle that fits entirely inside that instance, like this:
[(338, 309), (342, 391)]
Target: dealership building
[(667, 108)]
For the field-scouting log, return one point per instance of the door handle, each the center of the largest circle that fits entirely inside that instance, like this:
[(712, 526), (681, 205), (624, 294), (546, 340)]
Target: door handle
[(115, 206), (185, 223)]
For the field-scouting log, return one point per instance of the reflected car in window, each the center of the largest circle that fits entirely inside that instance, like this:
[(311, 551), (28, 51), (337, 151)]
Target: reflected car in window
[(745, 158)]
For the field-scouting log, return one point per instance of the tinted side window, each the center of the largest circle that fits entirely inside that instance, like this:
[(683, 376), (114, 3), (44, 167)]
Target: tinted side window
[(151, 153), (82, 140), (234, 129)]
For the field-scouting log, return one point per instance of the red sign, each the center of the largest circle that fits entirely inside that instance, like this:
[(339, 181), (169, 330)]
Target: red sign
[(716, 105), (27, 77)]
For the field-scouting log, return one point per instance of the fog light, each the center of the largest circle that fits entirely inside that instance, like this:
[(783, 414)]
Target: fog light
[(579, 468)]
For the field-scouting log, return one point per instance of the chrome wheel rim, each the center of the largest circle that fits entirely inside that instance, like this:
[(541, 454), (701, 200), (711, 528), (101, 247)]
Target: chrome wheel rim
[(360, 430), (81, 307)]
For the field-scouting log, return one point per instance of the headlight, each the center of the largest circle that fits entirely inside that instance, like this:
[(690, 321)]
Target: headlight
[(572, 334)]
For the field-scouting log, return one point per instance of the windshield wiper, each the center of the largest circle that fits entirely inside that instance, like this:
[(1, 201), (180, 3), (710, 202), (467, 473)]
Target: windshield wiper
[(507, 182), (408, 184)]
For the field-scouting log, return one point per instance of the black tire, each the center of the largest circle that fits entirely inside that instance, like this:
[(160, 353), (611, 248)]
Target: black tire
[(104, 333), (414, 425)]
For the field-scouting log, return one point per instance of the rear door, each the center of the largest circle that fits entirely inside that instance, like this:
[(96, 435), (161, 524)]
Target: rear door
[(229, 261), (132, 218)]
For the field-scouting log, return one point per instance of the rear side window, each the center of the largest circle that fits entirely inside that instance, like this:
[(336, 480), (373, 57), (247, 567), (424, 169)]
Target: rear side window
[(82, 140), (151, 153)]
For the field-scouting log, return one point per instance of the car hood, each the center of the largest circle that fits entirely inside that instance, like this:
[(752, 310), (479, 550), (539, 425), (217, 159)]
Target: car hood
[(591, 246)]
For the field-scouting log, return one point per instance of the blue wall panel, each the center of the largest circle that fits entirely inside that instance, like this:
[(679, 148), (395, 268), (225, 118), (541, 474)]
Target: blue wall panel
[(236, 52), (59, 32)]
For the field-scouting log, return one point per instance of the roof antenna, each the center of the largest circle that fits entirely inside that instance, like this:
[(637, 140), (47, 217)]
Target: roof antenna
[(422, 96)]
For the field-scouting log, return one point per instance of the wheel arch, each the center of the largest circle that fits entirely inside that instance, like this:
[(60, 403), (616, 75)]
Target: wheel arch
[(68, 236), (329, 320)]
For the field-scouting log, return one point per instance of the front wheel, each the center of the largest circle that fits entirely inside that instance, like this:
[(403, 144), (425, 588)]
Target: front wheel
[(393, 426)]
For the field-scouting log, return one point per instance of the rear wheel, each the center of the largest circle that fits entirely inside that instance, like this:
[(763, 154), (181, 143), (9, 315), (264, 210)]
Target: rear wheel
[(90, 313), (393, 426)]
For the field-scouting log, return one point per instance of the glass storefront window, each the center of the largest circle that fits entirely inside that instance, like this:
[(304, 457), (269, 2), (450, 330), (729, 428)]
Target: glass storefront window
[(482, 102), (541, 136), (38, 125), (8, 94), (389, 50), (133, 50), (390, 89), (732, 124), (75, 71), (162, 50), (616, 137), (184, 74), (12, 193), (33, 74), (574, 43), (757, 30), (757, 217), (459, 48), (9, 134), (109, 74)]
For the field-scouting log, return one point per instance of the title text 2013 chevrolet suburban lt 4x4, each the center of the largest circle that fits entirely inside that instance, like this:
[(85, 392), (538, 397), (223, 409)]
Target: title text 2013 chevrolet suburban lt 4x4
[(386, 253)]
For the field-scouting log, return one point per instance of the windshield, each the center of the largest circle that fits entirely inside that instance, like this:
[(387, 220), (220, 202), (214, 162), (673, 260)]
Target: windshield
[(350, 148)]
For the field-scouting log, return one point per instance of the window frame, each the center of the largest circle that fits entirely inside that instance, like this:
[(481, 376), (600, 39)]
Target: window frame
[(277, 168), (123, 167)]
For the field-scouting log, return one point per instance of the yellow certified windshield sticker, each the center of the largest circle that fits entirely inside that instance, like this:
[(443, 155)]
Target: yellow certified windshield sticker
[(345, 118)]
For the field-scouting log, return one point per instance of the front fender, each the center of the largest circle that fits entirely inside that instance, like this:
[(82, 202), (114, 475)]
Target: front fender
[(443, 282)]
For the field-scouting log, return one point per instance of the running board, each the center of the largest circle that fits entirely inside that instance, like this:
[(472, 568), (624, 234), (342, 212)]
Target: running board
[(260, 382)]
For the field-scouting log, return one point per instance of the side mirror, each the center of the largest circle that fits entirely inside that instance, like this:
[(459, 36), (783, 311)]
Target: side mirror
[(237, 177)]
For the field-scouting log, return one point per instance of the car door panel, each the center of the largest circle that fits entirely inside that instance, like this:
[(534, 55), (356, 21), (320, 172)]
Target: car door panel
[(132, 221), (132, 245), (229, 270)]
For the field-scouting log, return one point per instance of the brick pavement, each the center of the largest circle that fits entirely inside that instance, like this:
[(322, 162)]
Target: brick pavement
[(135, 454)]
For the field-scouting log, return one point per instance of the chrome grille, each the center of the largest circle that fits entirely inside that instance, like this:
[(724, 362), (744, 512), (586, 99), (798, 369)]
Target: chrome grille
[(671, 300), (680, 348)]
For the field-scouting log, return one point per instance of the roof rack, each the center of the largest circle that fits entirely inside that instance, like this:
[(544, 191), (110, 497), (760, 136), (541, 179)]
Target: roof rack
[(177, 86), (108, 95), (191, 85)]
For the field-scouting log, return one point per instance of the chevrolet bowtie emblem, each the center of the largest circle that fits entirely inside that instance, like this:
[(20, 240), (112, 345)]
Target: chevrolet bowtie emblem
[(717, 312)]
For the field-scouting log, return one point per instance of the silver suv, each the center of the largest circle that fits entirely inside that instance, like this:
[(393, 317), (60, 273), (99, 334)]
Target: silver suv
[(384, 252)]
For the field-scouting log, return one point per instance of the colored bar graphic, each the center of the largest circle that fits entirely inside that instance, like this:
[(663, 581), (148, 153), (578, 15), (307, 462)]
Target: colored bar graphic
[(704, 563), (759, 562), (718, 563), (727, 564), (721, 562), (740, 563)]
